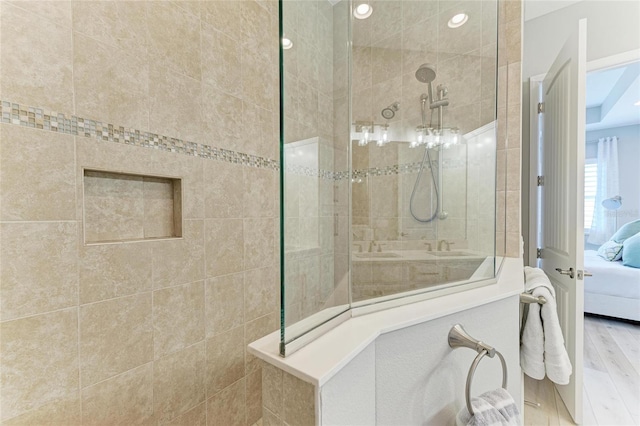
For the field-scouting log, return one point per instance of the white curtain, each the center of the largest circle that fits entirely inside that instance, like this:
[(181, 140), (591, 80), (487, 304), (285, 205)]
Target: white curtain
[(603, 225)]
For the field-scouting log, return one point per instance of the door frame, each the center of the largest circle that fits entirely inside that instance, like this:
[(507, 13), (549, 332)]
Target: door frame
[(534, 169)]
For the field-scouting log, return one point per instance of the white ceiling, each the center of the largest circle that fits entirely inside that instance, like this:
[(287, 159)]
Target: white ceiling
[(535, 8), (611, 95)]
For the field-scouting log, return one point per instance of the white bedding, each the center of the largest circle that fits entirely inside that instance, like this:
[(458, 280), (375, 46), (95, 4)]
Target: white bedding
[(611, 278), (613, 290)]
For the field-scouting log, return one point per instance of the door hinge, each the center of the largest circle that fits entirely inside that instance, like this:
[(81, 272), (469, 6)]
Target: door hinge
[(538, 253), (540, 107), (540, 180)]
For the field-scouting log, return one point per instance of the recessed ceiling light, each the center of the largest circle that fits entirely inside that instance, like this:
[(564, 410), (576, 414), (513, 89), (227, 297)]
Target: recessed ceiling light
[(458, 20), (363, 11), (286, 43), (637, 103)]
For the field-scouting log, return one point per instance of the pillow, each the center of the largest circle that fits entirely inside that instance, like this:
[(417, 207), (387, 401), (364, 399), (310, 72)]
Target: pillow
[(631, 251), (627, 230), (610, 251)]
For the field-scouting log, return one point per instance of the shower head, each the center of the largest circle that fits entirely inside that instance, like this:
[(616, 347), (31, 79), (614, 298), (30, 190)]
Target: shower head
[(426, 73), (390, 111)]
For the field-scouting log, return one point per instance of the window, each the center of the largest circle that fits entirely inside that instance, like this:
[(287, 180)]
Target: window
[(590, 185)]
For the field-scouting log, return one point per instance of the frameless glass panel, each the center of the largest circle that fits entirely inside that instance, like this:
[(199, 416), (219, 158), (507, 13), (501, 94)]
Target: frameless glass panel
[(424, 145), (315, 126)]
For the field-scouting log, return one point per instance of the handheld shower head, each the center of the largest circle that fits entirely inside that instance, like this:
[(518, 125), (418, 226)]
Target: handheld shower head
[(426, 73)]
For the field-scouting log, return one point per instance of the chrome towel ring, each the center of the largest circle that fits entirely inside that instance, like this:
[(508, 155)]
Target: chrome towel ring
[(472, 371), (459, 338)]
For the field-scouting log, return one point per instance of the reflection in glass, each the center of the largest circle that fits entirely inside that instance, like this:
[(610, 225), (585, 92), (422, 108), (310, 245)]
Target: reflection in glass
[(389, 153)]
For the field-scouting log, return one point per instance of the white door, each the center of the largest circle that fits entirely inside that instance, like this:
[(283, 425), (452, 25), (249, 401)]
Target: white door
[(562, 158)]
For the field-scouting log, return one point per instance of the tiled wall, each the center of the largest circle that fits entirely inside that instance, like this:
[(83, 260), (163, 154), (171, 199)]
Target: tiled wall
[(150, 332), (509, 127)]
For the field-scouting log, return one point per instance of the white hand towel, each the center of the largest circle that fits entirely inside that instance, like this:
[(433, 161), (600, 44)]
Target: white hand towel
[(556, 360), (532, 347), (495, 407), (535, 277), (542, 350)]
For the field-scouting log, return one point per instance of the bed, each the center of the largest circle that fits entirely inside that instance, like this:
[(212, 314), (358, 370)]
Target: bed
[(613, 290)]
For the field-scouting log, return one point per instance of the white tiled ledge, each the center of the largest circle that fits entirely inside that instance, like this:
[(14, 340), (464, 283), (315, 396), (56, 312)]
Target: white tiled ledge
[(321, 359)]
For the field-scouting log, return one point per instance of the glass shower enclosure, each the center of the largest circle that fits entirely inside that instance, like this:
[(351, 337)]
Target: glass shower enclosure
[(388, 155)]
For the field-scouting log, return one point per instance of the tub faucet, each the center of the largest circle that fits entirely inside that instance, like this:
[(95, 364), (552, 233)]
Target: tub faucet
[(448, 244)]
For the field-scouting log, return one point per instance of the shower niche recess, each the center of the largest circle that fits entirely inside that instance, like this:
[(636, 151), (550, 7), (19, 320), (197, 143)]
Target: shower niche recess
[(122, 207)]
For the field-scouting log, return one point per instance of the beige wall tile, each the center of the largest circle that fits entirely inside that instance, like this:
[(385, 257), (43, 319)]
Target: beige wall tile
[(224, 244), (179, 261), (174, 38), (39, 364), (160, 208), (115, 23), (175, 105), (513, 30), (194, 417), (257, 31), (125, 399), (59, 12), (36, 65), (254, 397), (272, 391), (114, 270), (260, 91), (513, 244), (224, 303), (223, 189), (222, 118), (38, 267), (113, 207), (64, 411), (37, 175), (270, 419), (225, 16), (225, 356), (256, 125), (110, 85), (299, 407), (227, 407), (179, 383), (259, 185), (221, 64), (261, 291), (513, 169), (115, 336), (258, 243), (178, 318), (194, 7), (254, 330), (513, 212), (514, 87)]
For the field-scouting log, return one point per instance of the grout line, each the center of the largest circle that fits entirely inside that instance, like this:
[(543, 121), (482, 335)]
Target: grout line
[(66, 308)]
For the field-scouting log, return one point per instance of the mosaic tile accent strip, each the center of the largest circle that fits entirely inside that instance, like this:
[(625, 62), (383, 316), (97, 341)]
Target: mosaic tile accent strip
[(39, 118), (392, 170)]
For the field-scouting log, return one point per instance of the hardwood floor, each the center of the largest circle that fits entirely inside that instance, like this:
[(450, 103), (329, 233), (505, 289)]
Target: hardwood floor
[(611, 379)]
